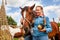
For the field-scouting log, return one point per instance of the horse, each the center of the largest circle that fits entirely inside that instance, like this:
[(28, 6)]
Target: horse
[(15, 32), (58, 35), (55, 30), (28, 15)]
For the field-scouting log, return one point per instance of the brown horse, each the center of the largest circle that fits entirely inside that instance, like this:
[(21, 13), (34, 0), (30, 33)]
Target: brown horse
[(28, 15), (27, 20), (55, 30), (58, 35)]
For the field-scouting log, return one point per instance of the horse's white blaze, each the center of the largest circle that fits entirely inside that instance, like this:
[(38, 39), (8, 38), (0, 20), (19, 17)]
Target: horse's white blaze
[(24, 14), (14, 30)]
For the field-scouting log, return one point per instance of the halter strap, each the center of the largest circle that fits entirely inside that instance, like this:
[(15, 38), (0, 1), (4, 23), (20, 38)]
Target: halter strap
[(28, 21)]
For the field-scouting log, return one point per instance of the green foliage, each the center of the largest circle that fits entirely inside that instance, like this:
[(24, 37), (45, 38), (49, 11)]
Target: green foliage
[(59, 24), (11, 21), (15, 38)]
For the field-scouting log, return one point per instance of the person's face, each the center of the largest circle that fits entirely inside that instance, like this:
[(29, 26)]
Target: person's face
[(38, 11)]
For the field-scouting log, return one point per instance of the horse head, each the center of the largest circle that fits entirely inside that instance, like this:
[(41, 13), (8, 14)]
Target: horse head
[(26, 11), (28, 14)]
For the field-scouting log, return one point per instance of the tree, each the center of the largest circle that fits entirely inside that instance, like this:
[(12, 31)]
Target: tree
[(11, 21), (59, 24)]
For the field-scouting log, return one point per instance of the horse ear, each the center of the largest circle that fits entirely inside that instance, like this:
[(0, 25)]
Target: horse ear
[(21, 8), (32, 6)]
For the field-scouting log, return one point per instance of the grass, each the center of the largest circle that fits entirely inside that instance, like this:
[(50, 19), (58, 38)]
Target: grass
[(15, 38)]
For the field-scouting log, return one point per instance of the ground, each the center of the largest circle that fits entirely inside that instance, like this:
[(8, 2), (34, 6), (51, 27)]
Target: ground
[(15, 38)]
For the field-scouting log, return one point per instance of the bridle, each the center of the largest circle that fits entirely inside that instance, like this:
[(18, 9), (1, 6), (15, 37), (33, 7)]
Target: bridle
[(25, 19), (27, 29)]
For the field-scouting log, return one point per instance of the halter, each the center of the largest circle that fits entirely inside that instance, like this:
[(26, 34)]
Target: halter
[(26, 19), (30, 24)]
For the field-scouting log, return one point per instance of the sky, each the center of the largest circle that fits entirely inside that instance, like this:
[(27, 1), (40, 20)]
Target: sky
[(51, 8)]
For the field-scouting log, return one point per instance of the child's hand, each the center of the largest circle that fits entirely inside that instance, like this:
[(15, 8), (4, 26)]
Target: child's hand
[(43, 30), (39, 27)]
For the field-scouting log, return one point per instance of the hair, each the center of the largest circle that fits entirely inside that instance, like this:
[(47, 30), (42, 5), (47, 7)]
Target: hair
[(40, 7)]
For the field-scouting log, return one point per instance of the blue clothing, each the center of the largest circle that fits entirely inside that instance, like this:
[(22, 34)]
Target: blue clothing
[(40, 38), (36, 34), (39, 20)]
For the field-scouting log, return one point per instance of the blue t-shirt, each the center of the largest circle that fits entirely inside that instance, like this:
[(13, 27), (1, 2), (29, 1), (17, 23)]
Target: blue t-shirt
[(39, 20)]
